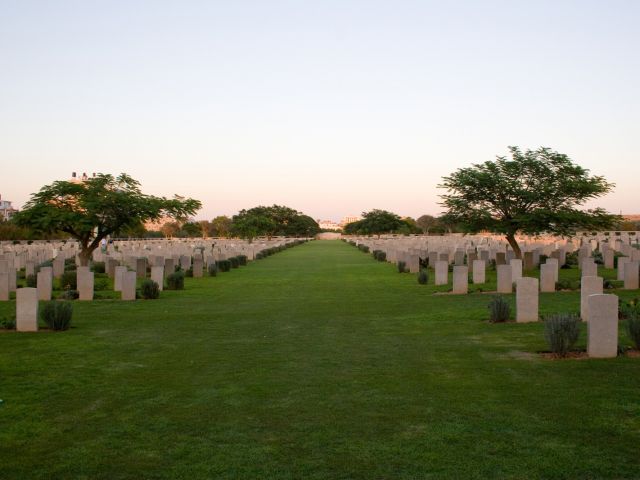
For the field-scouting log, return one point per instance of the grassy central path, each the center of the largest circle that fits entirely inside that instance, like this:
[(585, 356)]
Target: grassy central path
[(317, 363)]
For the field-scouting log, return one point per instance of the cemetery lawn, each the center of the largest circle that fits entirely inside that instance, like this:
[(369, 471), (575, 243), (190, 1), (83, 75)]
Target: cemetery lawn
[(315, 363)]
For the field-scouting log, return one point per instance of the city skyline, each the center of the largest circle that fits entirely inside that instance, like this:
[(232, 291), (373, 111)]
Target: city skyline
[(330, 109)]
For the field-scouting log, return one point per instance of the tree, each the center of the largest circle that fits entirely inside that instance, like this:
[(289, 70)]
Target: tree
[(376, 222), (534, 192), (426, 223), (273, 221), (221, 226), (96, 208)]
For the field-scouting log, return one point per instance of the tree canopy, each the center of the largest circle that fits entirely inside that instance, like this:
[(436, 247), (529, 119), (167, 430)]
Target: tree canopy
[(534, 192), (376, 222), (272, 221), (98, 207)]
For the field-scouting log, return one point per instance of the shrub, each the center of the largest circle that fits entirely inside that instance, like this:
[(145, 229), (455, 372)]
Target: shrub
[(149, 290), (223, 265), (213, 269), (629, 309), (69, 280), (175, 281), (561, 330), (363, 248), (423, 277), (70, 294), (565, 284), (499, 310), (242, 259), (402, 266), (188, 272), (235, 263), (633, 329), (379, 255), (32, 281), (8, 323), (98, 267), (100, 284), (259, 256), (57, 315)]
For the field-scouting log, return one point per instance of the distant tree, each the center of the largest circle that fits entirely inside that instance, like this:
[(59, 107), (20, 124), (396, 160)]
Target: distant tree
[(221, 226), (272, 221), (93, 209), (170, 229), (426, 223), (533, 193), (376, 222), (205, 228), (190, 229)]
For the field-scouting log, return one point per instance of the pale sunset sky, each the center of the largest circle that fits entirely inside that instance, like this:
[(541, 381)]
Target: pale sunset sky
[(329, 107)]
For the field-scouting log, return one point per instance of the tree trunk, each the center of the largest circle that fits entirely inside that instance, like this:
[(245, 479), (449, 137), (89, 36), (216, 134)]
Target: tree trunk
[(85, 255), (511, 238)]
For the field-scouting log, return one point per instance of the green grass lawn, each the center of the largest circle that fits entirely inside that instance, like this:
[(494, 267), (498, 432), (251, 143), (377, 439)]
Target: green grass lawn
[(318, 362)]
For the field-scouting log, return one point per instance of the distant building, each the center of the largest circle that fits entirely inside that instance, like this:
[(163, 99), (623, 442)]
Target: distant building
[(6, 210), (349, 219), (328, 225), (79, 179)]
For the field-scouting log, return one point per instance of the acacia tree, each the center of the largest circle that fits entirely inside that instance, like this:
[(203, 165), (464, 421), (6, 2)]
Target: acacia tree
[(272, 221), (535, 192), (426, 223), (96, 208)]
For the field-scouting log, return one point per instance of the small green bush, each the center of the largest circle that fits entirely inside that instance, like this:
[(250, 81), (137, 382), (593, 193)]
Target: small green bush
[(561, 330), (69, 280), (149, 290), (101, 284), (175, 281), (402, 266), (188, 272), (8, 323), (242, 259), (566, 284), (633, 329), (259, 256), (70, 294), (57, 315), (629, 309), (235, 263), (32, 281), (98, 267), (363, 248), (213, 269), (223, 265), (423, 277), (499, 310)]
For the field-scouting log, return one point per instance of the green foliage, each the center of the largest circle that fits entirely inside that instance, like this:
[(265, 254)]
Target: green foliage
[(629, 309), (223, 265), (423, 277), (149, 290), (242, 259), (8, 322), (273, 221), (70, 294), (235, 262), (175, 281), (499, 310), (561, 331), (533, 193), (31, 281), (213, 269), (567, 284), (402, 266), (69, 280), (98, 267), (376, 222), (363, 248), (380, 255), (633, 329), (57, 315), (100, 206), (100, 284)]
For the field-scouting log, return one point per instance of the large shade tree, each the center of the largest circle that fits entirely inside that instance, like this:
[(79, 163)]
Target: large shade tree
[(533, 192), (272, 221), (376, 222), (93, 209)]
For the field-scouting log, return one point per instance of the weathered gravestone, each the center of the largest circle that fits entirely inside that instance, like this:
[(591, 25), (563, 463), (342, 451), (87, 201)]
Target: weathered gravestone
[(117, 278), (602, 328), (128, 285), (547, 278), (631, 276), (527, 299), (85, 280), (460, 279), (157, 275), (45, 283), (442, 272), (516, 269), (479, 275), (505, 279), (589, 286), (4, 287), (27, 310)]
